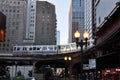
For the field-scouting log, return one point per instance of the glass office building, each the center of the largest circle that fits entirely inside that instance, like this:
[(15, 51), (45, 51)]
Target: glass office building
[(89, 18), (76, 18)]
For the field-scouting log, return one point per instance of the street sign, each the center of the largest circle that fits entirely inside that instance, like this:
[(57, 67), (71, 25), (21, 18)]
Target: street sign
[(92, 63)]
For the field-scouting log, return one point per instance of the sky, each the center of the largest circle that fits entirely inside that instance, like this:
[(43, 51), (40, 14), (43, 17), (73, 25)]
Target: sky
[(62, 14)]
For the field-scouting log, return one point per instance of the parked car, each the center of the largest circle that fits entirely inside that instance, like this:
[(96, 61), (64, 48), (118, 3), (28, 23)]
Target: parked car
[(31, 78)]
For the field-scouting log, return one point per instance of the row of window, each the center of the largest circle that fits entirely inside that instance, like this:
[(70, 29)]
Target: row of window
[(31, 35), (4, 45), (11, 10), (10, 2), (48, 12), (13, 23), (38, 48), (10, 7), (4, 49), (79, 14)]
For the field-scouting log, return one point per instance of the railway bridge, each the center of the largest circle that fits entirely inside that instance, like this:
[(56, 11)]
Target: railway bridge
[(36, 56)]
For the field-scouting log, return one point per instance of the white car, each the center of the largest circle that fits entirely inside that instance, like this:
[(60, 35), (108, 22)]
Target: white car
[(31, 78)]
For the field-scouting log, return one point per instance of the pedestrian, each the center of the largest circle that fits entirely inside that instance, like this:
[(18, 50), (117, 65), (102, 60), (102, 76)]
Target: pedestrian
[(19, 76)]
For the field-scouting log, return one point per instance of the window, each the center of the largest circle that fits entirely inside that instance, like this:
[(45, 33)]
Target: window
[(18, 49), (8, 40), (32, 9), (34, 48), (18, 15), (31, 36), (48, 12), (14, 2), (48, 24), (30, 48), (18, 2), (18, 11), (13, 31), (38, 48), (31, 6), (43, 11), (24, 48), (99, 19), (3, 48), (10, 10), (6, 10), (13, 10), (80, 2), (7, 45), (3, 45), (7, 49)]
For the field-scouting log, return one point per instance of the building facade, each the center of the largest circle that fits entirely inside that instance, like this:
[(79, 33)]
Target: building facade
[(107, 39), (28, 22), (103, 10), (40, 23), (89, 19), (29, 36), (45, 30), (76, 18), (14, 10)]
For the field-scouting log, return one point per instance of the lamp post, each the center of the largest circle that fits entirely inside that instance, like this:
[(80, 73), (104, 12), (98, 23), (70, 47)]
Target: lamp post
[(15, 68), (81, 44), (67, 58)]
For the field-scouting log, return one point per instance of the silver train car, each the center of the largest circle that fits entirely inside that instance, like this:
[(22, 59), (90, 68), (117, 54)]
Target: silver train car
[(44, 49)]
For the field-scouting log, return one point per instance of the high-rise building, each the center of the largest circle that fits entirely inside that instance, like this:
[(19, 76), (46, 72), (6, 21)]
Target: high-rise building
[(45, 30), (76, 18), (29, 22), (14, 10), (89, 19), (41, 23)]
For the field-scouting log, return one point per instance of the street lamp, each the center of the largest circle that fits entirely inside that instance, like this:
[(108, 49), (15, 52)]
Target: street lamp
[(81, 44), (67, 58)]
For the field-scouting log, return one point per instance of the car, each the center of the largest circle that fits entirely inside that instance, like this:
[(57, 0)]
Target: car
[(31, 78)]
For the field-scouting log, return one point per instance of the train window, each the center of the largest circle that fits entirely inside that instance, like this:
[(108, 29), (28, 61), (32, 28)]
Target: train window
[(38, 48), (14, 48), (34, 48), (44, 48), (30, 48), (55, 48), (24, 48), (50, 48), (18, 49)]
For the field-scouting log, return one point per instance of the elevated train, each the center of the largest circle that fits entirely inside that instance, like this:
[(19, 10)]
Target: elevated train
[(44, 49)]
